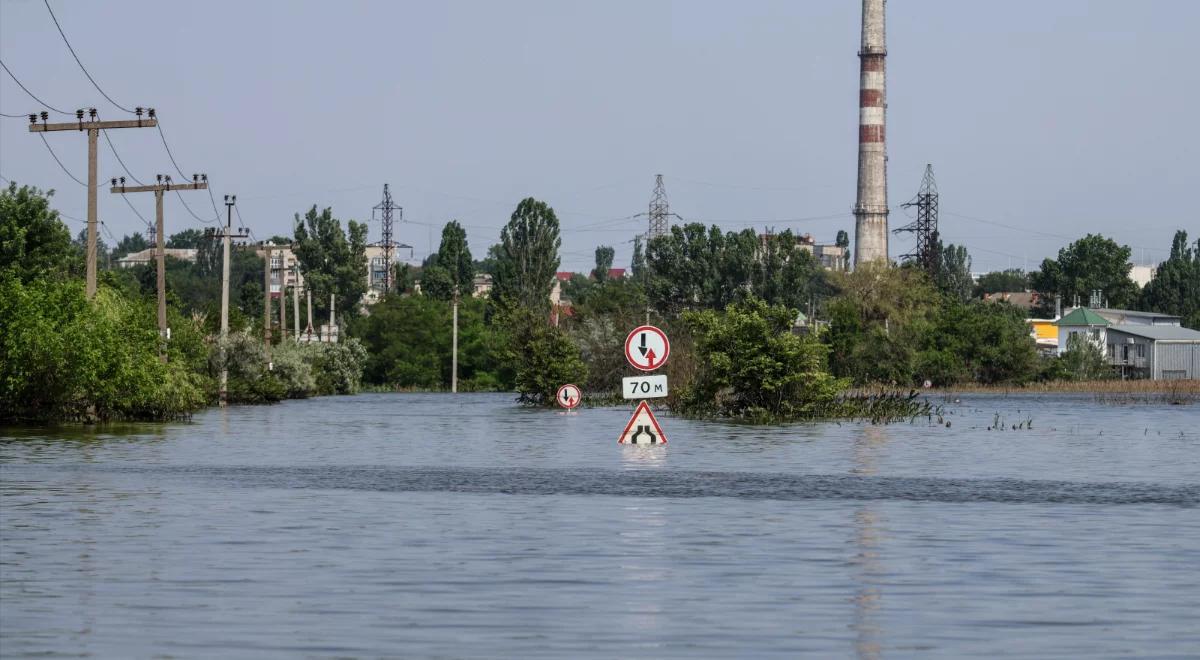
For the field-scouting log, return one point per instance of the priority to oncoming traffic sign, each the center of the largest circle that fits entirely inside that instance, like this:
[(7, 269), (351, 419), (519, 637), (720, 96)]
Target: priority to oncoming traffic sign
[(569, 396), (647, 348)]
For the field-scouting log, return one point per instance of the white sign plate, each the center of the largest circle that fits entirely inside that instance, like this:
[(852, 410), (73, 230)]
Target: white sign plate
[(642, 428), (569, 396), (647, 348), (644, 387)]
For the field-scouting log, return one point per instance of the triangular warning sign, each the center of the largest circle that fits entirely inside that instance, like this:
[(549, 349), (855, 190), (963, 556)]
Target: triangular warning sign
[(643, 428)]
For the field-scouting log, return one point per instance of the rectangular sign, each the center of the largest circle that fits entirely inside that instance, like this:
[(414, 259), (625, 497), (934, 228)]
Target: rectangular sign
[(644, 387)]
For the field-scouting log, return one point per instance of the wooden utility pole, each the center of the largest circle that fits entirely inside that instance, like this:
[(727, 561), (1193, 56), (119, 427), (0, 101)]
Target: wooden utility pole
[(93, 127), (282, 304), (226, 236), (164, 185), (296, 302)]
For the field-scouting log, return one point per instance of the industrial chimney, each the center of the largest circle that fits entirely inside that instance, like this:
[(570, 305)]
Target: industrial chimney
[(871, 209)]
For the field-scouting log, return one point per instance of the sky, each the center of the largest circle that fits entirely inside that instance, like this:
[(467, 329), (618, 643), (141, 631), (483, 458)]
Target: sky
[(1044, 121)]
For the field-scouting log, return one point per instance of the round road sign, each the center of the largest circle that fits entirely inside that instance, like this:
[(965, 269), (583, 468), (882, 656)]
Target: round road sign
[(569, 396), (647, 348)]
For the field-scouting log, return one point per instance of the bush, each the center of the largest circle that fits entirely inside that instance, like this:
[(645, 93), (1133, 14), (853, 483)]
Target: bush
[(751, 365), (65, 358)]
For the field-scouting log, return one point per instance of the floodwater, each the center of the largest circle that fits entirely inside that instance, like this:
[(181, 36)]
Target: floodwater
[(418, 525)]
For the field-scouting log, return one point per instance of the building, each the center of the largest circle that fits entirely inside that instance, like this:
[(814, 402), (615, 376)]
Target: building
[(147, 256), (1158, 352), (285, 271), (1045, 335), (1084, 323), (1131, 317), (1022, 299), (481, 287)]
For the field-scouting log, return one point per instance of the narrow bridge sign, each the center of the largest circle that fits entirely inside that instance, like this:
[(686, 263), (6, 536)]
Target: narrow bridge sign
[(647, 348), (644, 387), (643, 428)]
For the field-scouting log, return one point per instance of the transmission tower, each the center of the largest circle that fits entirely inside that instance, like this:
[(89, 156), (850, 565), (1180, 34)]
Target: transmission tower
[(660, 211), (151, 235), (926, 224), (385, 209)]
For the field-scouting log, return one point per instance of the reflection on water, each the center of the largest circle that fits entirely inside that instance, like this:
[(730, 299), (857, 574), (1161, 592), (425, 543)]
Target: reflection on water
[(867, 539), (434, 526)]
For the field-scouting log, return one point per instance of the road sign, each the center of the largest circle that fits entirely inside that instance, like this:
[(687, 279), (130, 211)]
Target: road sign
[(569, 396), (644, 387), (647, 348), (642, 428)]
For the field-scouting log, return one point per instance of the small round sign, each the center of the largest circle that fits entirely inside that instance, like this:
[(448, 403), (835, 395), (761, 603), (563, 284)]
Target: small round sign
[(647, 348), (569, 396)]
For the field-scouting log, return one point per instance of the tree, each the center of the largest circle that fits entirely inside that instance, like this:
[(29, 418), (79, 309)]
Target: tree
[(34, 243), (604, 261), (1002, 281), (843, 239), (528, 256), (1090, 263), (753, 366), (332, 261), (1175, 288), (450, 269), (103, 258), (1082, 361), (954, 272), (541, 357), (129, 244), (979, 342), (189, 239), (637, 265)]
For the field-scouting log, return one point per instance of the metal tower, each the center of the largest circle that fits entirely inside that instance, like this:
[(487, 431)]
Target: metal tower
[(926, 224), (659, 210), (151, 234), (385, 209)]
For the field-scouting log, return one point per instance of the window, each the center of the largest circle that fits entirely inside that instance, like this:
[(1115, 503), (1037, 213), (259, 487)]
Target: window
[(1141, 350), (1096, 334), (1112, 351)]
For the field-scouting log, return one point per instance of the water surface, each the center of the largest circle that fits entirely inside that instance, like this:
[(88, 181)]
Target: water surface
[(436, 526)]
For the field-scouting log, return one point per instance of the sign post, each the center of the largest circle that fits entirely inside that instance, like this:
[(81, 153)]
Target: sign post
[(646, 349)]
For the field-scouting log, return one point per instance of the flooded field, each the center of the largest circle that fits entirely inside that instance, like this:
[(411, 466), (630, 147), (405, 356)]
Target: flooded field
[(423, 525)]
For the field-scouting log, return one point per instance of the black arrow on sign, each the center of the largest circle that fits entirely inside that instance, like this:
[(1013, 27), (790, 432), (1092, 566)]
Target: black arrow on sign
[(642, 348)]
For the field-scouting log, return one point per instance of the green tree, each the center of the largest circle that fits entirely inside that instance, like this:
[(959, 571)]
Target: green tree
[(451, 268), (1090, 263), (604, 262), (528, 256), (190, 239), (843, 239), (954, 272), (34, 243), (1082, 361), (637, 265), (753, 366), (979, 342), (1002, 281), (332, 261), (129, 244), (1175, 288)]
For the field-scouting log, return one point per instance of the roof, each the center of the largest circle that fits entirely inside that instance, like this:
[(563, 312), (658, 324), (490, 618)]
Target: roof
[(1158, 332), (564, 275), (1083, 316), (1120, 315)]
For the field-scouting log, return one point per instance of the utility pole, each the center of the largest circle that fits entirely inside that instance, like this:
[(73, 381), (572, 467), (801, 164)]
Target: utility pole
[(282, 304), (659, 216), (226, 236), (267, 301), (296, 301), (454, 347), (308, 330), (93, 126), (164, 185)]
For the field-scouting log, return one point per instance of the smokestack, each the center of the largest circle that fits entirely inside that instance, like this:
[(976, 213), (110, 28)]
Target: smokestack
[(871, 209)]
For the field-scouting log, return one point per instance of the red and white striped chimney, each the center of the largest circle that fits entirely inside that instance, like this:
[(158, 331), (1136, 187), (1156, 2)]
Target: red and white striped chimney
[(871, 209)]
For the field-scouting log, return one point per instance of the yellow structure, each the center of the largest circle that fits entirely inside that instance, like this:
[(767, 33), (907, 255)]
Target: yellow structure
[(1044, 332)]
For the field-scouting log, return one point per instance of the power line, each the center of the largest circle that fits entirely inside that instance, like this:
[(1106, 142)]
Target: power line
[(80, 63), (135, 211), (169, 154), (5, 114), (114, 151), (64, 167), (31, 94), (193, 213)]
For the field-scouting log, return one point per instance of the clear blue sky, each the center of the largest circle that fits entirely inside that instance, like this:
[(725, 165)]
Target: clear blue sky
[(1052, 119)]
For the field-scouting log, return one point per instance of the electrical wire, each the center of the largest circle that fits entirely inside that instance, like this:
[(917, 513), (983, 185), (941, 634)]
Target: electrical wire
[(64, 167), (134, 209), (190, 211), (80, 63), (5, 114), (26, 90), (170, 155), (114, 152)]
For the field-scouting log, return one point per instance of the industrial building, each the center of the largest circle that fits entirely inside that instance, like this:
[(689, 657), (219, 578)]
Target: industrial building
[(1136, 344)]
